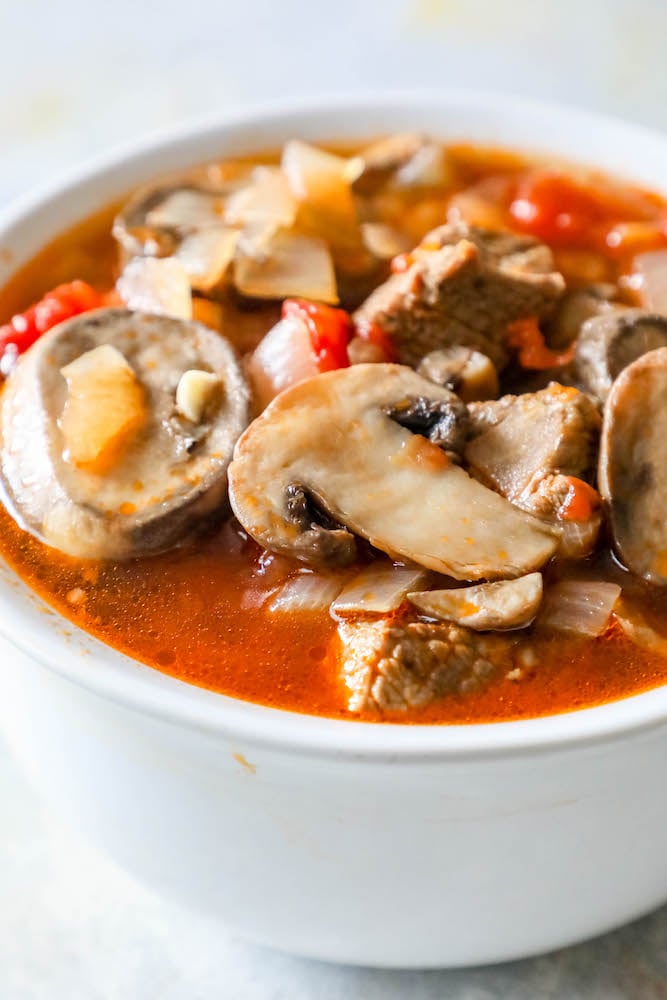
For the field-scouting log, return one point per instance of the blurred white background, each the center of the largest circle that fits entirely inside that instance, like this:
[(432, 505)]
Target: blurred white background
[(77, 76)]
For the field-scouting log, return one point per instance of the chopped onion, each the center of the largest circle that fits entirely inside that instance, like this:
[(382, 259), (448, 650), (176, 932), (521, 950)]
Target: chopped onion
[(651, 270), (638, 629), (320, 182), (186, 210), (282, 358), (295, 265), (378, 589), (266, 200), (207, 254), (383, 241), (428, 167), (156, 285), (308, 592), (578, 538), (581, 606), (481, 204)]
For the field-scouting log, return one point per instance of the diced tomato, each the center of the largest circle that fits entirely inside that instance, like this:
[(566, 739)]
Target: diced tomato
[(581, 501), (564, 211), (525, 336), (57, 305), (330, 331)]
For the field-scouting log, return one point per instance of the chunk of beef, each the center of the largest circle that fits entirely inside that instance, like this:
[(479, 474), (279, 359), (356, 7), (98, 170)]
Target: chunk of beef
[(518, 442), (527, 446), (609, 342), (395, 665), (464, 286)]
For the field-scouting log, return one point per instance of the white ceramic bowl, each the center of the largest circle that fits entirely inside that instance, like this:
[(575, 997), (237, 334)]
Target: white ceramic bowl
[(382, 845)]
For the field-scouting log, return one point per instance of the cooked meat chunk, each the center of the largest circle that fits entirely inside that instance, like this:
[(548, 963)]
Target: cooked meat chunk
[(107, 466), (531, 448), (464, 286), (633, 465), (518, 443), (611, 341), (469, 374), (391, 665), (505, 604)]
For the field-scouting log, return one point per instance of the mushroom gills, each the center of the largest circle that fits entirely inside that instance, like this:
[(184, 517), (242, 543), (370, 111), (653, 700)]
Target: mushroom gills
[(332, 435), (608, 343)]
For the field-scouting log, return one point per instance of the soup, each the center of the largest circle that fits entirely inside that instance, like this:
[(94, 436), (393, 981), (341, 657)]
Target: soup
[(370, 433)]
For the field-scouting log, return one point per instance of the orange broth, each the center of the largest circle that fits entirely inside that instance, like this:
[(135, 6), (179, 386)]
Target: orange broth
[(200, 612)]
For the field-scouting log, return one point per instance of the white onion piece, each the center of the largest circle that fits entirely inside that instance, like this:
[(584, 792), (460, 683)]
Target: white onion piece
[(207, 254), (308, 592), (378, 589), (320, 183), (639, 631), (282, 358), (651, 271), (580, 606), (156, 285), (294, 265), (383, 241), (185, 210), (266, 200), (427, 168), (578, 538)]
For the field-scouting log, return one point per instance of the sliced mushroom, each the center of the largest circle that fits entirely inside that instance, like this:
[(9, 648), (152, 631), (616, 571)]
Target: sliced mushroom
[(611, 341), (468, 373), (576, 306), (443, 421), (506, 604), (330, 442), (408, 158), (170, 473), (156, 218), (632, 472)]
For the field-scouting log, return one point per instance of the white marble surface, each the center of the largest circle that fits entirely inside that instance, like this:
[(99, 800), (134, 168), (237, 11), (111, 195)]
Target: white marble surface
[(77, 77)]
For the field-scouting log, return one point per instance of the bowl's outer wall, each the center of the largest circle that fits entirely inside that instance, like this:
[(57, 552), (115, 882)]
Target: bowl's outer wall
[(403, 846), (388, 864)]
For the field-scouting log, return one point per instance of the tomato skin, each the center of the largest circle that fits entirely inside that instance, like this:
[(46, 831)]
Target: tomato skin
[(564, 211), (525, 336), (581, 502), (330, 331), (25, 328), (554, 208)]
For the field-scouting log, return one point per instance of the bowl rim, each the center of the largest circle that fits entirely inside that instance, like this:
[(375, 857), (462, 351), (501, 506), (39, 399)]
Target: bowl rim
[(42, 637)]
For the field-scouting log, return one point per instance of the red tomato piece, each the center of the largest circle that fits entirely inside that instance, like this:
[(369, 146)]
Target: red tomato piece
[(581, 501), (525, 336), (25, 328), (554, 208), (330, 331)]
